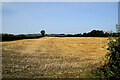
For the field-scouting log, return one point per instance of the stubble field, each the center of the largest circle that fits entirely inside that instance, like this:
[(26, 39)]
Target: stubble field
[(52, 57)]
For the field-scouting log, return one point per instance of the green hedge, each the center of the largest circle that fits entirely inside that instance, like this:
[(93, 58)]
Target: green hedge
[(111, 67), (11, 37)]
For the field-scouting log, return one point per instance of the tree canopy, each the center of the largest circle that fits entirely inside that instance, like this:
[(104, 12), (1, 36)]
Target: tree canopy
[(43, 32)]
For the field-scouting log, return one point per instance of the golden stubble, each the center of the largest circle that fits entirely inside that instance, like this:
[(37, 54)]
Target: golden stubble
[(52, 56)]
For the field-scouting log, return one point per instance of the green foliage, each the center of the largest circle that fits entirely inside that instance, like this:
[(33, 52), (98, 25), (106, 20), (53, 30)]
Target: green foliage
[(11, 37), (93, 33), (96, 33), (43, 32), (111, 67), (113, 56)]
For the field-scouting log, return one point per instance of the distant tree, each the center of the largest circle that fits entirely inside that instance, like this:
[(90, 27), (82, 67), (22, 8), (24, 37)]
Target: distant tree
[(84, 34), (78, 35), (106, 34), (62, 34), (43, 32), (96, 33), (118, 28)]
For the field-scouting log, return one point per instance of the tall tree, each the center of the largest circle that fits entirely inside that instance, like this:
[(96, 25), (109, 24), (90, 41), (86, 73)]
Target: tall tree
[(43, 32)]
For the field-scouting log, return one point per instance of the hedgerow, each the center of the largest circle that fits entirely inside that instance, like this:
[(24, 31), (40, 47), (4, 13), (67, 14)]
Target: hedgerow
[(11, 37), (111, 67)]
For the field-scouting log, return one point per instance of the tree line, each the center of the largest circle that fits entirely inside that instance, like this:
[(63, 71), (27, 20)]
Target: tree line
[(11, 37), (93, 33)]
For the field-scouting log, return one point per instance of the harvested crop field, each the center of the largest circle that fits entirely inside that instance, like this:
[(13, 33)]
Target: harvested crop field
[(52, 57)]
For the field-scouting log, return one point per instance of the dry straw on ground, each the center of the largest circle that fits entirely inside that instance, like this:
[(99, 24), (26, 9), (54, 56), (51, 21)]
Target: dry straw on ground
[(52, 57)]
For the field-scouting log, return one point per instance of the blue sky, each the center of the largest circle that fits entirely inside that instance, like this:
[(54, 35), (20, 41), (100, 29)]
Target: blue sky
[(119, 13), (58, 17)]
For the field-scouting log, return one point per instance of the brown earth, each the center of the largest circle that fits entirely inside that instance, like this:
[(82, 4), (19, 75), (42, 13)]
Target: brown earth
[(52, 57)]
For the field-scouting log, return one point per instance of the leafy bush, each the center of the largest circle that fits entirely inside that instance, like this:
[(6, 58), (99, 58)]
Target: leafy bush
[(111, 67), (112, 70)]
